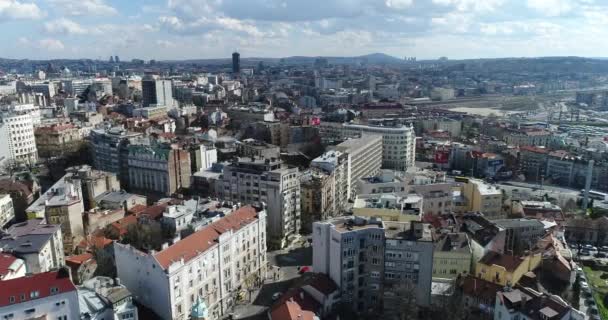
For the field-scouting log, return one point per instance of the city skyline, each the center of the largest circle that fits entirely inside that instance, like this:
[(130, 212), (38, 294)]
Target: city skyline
[(194, 29)]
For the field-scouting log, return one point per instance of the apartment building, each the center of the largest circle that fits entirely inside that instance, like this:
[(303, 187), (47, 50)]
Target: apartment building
[(270, 183), (62, 204), (335, 163), (521, 234), (482, 197), (351, 252), (156, 168), (7, 212), (110, 150), (39, 245), (93, 183), (408, 263), (58, 140), (317, 200), (47, 295), (257, 148), (214, 264), (17, 131), (398, 142), (452, 257), (364, 159), (387, 181)]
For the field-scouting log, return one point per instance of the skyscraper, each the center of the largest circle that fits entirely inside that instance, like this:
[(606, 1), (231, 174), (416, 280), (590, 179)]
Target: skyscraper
[(236, 62), (156, 91)]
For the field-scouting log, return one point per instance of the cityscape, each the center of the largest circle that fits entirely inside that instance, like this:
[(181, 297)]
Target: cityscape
[(372, 182)]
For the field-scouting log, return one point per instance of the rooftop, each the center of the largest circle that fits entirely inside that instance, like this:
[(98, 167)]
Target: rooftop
[(205, 238), (453, 242), (509, 262), (411, 231), (27, 237), (36, 286)]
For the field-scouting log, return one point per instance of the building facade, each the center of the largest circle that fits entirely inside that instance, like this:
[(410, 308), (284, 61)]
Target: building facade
[(266, 182), (364, 158), (47, 295), (17, 130), (216, 263), (158, 168), (39, 245), (7, 212), (58, 140)]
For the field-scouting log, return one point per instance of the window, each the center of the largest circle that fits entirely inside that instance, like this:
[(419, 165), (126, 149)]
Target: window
[(11, 299), (54, 290)]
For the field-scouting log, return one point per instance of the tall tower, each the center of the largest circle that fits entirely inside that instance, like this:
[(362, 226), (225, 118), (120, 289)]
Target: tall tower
[(236, 62)]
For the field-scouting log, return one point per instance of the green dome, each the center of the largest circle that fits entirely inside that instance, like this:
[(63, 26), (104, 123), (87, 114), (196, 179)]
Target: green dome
[(199, 309)]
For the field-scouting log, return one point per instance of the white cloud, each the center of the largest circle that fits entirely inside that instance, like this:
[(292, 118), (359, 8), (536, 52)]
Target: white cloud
[(13, 9), (471, 5), (84, 7), (64, 26), (398, 4), (551, 8), (51, 44)]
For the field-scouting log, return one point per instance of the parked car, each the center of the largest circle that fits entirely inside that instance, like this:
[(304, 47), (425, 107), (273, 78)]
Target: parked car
[(276, 296), (584, 253), (600, 255)]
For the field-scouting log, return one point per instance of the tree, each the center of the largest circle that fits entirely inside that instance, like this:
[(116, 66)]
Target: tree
[(144, 237), (405, 294), (105, 263)]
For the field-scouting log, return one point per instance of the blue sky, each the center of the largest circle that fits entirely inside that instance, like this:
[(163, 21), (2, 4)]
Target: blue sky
[(184, 29)]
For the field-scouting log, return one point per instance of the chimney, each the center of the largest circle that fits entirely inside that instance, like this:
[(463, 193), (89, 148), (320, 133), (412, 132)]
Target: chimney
[(302, 295), (117, 282)]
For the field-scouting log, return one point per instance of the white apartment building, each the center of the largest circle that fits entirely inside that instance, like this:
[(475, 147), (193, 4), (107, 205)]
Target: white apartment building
[(398, 142), (26, 108), (216, 263), (39, 245), (47, 295), (364, 158), (17, 132), (7, 212), (266, 182), (203, 156), (349, 249)]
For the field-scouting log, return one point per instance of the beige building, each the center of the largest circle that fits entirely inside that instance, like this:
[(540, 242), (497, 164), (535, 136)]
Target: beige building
[(482, 197), (364, 159), (317, 197), (452, 256), (160, 169), (93, 183), (62, 204), (58, 140)]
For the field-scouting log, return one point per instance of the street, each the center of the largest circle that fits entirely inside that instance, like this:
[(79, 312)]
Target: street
[(282, 271)]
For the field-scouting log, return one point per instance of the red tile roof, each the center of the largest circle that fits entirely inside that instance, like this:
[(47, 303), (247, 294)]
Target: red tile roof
[(40, 283), (533, 149), (122, 224), (137, 208), (204, 239), (94, 242), (291, 311), (509, 262), (78, 259), (154, 212)]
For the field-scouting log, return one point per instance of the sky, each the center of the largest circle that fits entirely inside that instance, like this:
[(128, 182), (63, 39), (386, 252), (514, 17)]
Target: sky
[(192, 29)]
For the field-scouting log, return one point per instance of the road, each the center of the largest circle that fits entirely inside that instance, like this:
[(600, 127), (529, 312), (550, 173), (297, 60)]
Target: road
[(524, 190), (282, 271)]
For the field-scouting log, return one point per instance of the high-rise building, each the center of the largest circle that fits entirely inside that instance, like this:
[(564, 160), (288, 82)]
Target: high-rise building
[(398, 142), (236, 62), (17, 133), (157, 91), (351, 252), (364, 159), (266, 181), (366, 256)]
